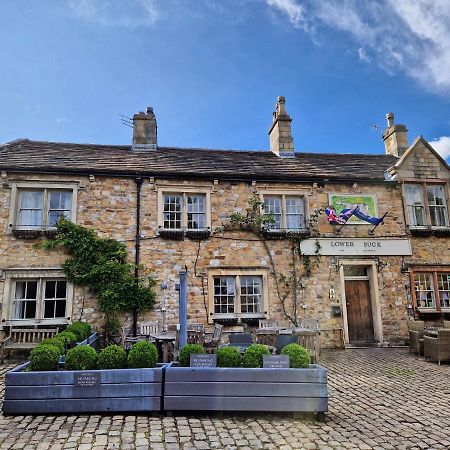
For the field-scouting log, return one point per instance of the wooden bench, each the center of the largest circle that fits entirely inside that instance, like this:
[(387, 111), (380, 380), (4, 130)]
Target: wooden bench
[(24, 339)]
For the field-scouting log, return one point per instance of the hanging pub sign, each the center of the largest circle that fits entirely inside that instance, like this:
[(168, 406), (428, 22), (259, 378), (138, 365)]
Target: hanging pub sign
[(356, 247)]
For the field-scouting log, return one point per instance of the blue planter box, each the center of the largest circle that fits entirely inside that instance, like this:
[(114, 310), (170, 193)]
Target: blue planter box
[(239, 389)]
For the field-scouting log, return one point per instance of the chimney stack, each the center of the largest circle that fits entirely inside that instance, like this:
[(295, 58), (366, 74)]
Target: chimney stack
[(395, 137), (281, 142), (144, 131)]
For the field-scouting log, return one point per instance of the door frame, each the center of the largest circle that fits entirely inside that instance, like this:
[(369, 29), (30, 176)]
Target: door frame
[(374, 296)]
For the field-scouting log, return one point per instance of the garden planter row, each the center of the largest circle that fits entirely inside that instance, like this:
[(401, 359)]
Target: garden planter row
[(166, 388), (228, 389)]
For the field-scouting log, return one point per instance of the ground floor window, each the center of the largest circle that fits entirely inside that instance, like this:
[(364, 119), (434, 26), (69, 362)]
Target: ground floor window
[(39, 299), (238, 295), (431, 288)]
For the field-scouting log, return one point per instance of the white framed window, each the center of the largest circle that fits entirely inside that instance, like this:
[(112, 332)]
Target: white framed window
[(38, 206), (184, 209), (431, 288), (426, 205), (36, 296), (288, 211), (237, 294)]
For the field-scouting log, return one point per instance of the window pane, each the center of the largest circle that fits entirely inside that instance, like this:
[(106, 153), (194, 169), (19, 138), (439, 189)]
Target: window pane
[(251, 294), (172, 211), (414, 205), (60, 206), (24, 303), (55, 299), (272, 205), (196, 214), (423, 285), (30, 209), (295, 218), (355, 271), (437, 204), (444, 289), (224, 295)]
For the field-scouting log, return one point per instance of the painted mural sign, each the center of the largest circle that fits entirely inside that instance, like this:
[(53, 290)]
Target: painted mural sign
[(366, 203)]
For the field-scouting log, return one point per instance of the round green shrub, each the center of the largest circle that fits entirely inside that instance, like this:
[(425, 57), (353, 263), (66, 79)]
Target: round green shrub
[(253, 356), (69, 336), (112, 357), (228, 357), (142, 354), (44, 357), (82, 330), (185, 353), (298, 355), (82, 357), (55, 342)]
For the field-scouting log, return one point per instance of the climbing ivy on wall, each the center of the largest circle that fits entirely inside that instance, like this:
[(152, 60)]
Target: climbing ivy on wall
[(287, 286), (101, 265)]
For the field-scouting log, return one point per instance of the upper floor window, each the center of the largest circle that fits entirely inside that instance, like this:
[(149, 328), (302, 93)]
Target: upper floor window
[(426, 205), (42, 208), (183, 209), (287, 210), (38, 206)]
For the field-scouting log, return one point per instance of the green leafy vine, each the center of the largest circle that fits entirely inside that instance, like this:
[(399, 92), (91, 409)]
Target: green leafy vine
[(101, 265)]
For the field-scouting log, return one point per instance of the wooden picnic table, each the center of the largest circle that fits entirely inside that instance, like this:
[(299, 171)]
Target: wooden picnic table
[(164, 338)]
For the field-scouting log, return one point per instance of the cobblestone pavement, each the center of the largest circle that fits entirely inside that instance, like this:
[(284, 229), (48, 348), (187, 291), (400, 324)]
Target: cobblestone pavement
[(379, 399)]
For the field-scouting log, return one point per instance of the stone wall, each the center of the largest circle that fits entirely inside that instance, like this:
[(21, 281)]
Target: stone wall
[(108, 205)]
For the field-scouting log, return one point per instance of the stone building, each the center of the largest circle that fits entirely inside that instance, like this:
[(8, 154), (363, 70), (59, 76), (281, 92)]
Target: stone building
[(175, 205)]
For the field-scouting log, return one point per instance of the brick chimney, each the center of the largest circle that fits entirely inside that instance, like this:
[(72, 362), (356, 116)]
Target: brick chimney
[(281, 142), (395, 137), (144, 131)]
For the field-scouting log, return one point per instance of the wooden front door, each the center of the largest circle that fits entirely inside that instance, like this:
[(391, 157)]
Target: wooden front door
[(359, 311)]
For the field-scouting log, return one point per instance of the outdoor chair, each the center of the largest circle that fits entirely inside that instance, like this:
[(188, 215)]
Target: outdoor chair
[(196, 327), (416, 329), (309, 324), (269, 323), (148, 328), (446, 324), (267, 337), (211, 344), (309, 339), (438, 348)]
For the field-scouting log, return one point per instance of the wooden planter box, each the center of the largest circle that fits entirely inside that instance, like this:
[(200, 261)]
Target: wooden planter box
[(227, 389), (114, 390)]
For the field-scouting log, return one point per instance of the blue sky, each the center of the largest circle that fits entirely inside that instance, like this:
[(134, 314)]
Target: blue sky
[(212, 70)]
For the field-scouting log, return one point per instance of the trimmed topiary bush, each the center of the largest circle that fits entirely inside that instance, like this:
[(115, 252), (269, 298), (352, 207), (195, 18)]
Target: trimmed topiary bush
[(55, 342), (142, 355), (44, 357), (82, 330), (112, 357), (185, 353), (228, 357), (298, 356), (69, 336), (82, 357), (253, 356)]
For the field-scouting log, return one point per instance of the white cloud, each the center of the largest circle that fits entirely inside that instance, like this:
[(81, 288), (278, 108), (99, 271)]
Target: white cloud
[(292, 9), (122, 13), (442, 146), (401, 36), (362, 55)]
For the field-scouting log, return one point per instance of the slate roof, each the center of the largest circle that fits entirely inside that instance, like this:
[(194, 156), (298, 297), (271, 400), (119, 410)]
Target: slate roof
[(51, 157)]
